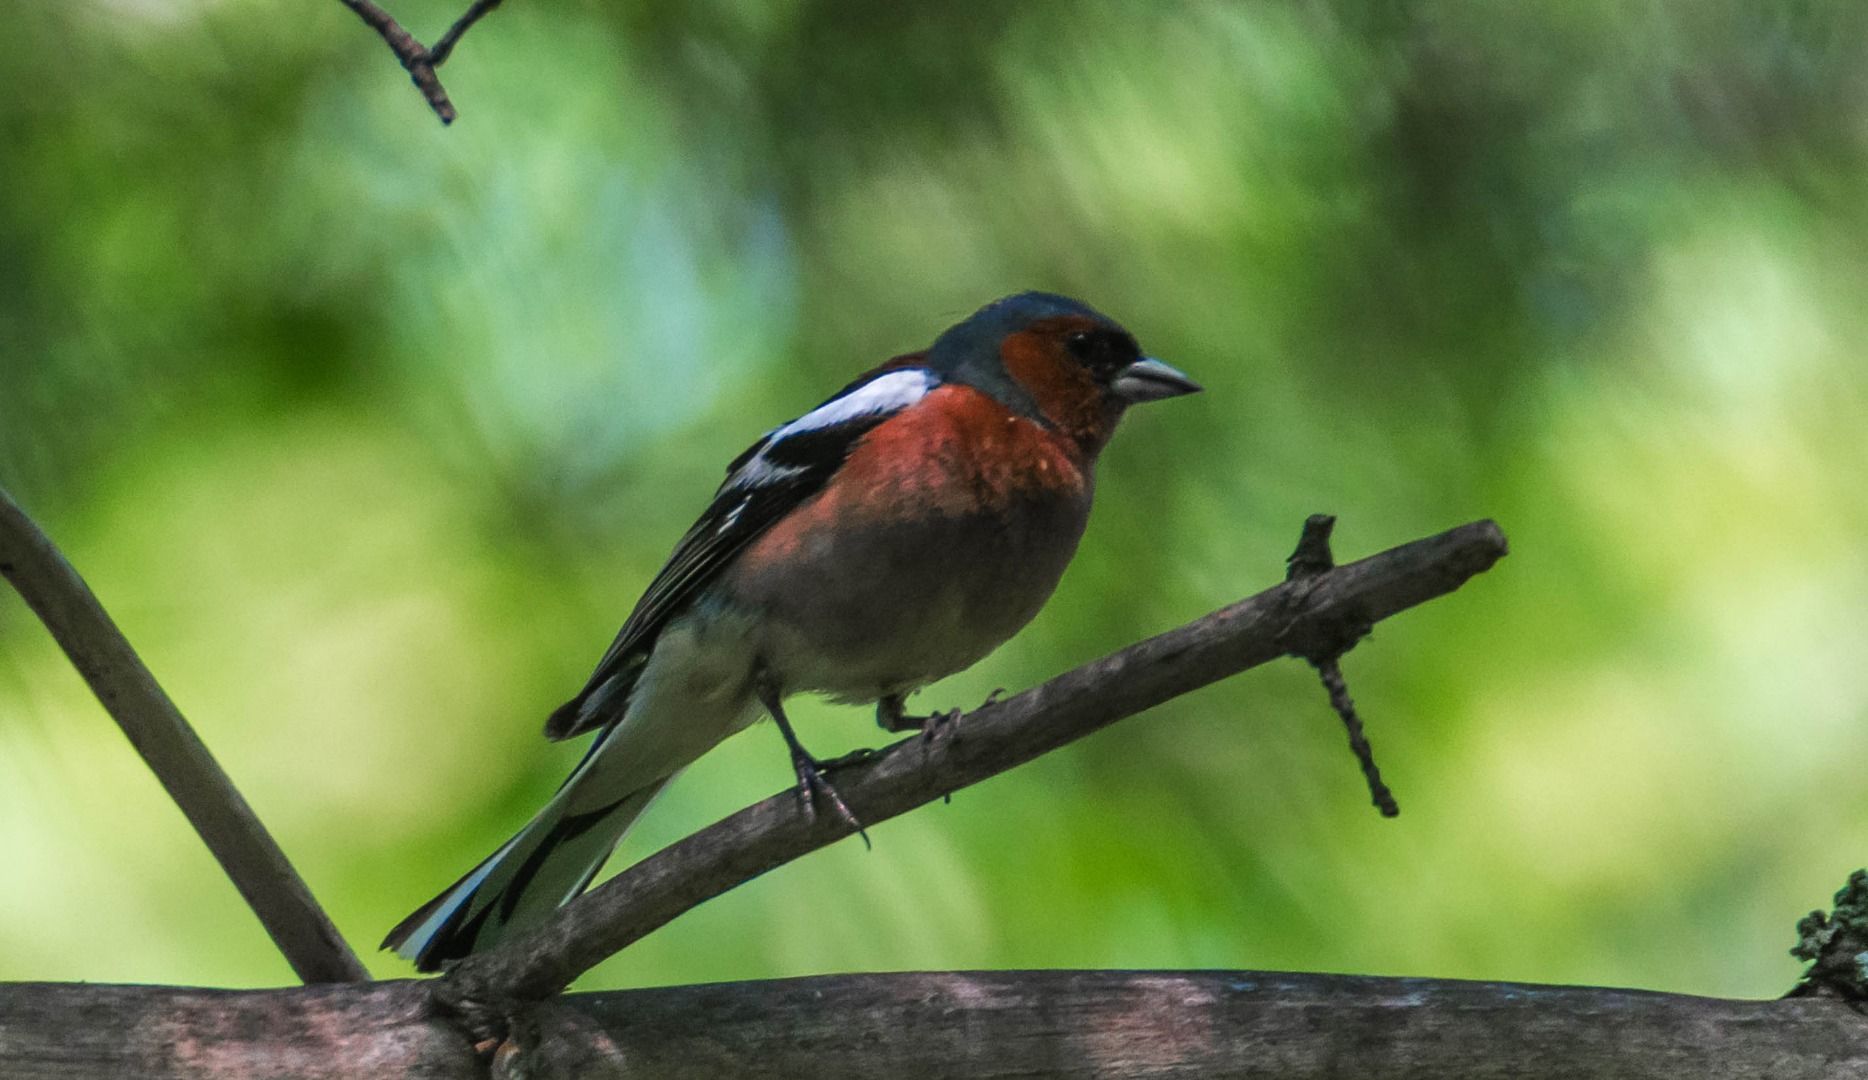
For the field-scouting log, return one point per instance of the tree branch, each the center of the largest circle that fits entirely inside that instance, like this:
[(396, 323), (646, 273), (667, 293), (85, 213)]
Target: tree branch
[(419, 60), (922, 1025), (1318, 614), (67, 607)]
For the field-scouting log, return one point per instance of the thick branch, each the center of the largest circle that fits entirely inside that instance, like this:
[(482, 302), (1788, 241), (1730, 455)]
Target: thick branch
[(910, 1026), (156, 728), (1317, 615), (417, 59)]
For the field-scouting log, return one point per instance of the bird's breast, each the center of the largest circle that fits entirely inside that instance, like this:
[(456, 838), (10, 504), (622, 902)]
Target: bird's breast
[(941, 537)]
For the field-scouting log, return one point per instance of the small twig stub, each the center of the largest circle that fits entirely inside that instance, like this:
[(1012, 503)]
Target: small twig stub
[(1312, 556)]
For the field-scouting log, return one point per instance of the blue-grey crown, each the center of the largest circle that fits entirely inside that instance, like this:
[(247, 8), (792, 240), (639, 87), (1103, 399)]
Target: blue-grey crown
[(969, 351), (976, 338)]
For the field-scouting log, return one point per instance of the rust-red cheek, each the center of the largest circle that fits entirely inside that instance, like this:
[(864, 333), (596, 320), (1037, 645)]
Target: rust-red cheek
[(1063, 389)]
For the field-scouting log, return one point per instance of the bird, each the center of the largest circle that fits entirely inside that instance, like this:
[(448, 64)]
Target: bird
[(894, 535)]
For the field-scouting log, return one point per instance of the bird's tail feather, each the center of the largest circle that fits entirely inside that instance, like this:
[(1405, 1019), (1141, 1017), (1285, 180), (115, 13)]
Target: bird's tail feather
[(550, 861)]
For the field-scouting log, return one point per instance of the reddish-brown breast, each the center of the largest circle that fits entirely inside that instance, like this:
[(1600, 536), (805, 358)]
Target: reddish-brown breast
[(955, 454), (958, 450), (942, 534)]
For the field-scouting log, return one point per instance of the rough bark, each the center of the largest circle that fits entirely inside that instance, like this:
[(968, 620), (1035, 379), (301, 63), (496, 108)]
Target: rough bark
[(908, 1026)]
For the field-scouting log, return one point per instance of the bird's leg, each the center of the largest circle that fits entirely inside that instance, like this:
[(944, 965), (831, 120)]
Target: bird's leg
[(810, 771)]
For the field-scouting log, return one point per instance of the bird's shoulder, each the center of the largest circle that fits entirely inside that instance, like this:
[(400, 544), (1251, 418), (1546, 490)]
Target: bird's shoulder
[(822, 438), (960, 448)]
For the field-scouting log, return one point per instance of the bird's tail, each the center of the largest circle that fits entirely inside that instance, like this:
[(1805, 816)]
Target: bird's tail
[(550, 861)]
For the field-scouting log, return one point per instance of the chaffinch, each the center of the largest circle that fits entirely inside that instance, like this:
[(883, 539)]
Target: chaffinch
[(892, 536)]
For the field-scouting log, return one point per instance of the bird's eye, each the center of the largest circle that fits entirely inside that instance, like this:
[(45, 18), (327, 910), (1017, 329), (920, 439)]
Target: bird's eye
[(1103, 352)]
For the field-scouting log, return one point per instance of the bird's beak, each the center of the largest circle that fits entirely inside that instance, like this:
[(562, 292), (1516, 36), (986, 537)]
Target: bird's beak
[(1149, 379)]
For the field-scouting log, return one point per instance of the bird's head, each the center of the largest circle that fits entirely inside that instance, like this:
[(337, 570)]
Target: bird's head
[(1057, 361)]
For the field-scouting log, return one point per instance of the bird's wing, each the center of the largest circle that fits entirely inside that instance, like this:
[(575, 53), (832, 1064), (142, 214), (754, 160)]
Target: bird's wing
[(769, 480)]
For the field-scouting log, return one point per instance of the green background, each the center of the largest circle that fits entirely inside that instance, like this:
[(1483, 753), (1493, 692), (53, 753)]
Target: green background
[(369, 432)]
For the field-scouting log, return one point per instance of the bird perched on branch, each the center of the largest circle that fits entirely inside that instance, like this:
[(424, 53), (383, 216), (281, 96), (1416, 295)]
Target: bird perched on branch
[(892, 536)]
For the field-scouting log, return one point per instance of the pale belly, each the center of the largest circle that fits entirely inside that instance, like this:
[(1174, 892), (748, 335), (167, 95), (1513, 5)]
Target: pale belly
[(859, 614)]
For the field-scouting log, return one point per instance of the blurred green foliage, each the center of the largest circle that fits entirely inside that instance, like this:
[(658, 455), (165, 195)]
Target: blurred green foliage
[(370, 431)]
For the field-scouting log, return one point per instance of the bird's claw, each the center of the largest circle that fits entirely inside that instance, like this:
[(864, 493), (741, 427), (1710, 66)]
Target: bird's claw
[(812, 783), (891, 718), (936, 726)]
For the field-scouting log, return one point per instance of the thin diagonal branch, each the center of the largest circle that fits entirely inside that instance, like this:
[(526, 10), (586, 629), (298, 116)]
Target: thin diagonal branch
[(1317, 615), (419, 60), (67, 607)]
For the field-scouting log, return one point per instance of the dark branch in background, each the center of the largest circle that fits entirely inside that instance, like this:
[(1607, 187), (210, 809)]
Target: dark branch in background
[(1320, 614), (1311, 558), (67, 607), (925, 1025), (419, 60)]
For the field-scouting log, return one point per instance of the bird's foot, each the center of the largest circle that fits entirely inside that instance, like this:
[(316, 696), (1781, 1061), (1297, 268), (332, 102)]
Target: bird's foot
[(937, 726), (810, 771), (812, 783), (892, 716), (937, 729)]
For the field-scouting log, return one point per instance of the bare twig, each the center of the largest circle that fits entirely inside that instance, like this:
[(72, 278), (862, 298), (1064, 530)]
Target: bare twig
[(1299, 618), (419, 60), (444, 47), (1331, 672), (173, 752), (1247, 1025), (1311, 558)]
